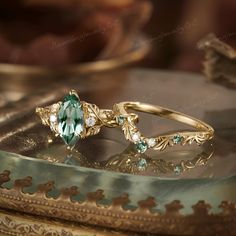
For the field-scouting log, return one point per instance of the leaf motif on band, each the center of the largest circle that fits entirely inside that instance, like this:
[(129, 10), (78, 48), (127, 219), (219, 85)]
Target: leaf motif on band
[(45, 112), (129, 129), (198, 138), (162, 143), (92, 111)]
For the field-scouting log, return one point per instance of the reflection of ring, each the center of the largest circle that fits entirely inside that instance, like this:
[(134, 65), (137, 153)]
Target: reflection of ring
[(73, 119), (203, 131), (132, 162)]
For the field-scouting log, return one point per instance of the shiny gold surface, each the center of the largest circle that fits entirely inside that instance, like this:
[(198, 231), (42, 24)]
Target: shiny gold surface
[(213, 181)]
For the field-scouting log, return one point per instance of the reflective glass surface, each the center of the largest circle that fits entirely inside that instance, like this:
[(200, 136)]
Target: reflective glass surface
[(106, 161)]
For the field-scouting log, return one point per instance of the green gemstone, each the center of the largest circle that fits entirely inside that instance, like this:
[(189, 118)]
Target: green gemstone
[(142, 164), (120, 120), (141, 147), (69, 160), (177, 169), (70, 119), (177, 139)]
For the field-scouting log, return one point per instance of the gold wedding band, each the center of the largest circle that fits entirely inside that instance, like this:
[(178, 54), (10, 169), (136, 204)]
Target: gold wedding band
[(128, 121)]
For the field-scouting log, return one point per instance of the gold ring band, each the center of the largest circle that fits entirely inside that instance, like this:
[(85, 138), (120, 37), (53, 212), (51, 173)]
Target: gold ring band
[(128, 121)]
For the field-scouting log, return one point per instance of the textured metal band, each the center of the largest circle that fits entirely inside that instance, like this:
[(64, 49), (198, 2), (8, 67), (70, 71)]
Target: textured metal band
[(128, 122)]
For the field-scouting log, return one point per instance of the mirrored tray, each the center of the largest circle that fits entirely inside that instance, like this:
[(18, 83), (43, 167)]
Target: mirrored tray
[(183, 190)]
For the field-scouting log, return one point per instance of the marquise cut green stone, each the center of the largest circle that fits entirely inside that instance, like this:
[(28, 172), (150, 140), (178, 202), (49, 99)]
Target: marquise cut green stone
[(70, 119)]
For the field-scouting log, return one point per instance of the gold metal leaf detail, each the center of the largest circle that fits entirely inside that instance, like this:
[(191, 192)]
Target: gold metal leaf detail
[(162, 143), (92, 111), (129, 129)]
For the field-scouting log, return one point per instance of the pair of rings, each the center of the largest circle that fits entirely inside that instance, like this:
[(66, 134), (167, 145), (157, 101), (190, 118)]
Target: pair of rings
[(72, 119)]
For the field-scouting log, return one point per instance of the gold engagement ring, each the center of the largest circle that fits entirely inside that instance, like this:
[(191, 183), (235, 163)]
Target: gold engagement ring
[(72, 119)]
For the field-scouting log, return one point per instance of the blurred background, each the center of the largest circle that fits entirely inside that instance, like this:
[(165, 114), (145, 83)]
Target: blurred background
[(176, 27), (58, 33)]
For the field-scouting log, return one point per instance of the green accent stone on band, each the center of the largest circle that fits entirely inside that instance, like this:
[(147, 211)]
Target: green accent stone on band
[(141, 146), (142, 164), (177, 139), (178, 169), (120, 120), (70, 119)]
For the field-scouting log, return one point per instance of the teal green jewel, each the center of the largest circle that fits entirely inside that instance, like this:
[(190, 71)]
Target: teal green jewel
[(141, 146), (70, 119), (69, 160), (177, 139), (142, 164), (177, 169), (120, 120)]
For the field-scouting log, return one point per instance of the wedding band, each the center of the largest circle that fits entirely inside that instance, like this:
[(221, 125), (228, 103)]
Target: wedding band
[(128, 121), (72, 119)]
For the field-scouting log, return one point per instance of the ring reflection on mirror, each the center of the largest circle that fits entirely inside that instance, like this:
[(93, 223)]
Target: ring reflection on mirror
[(132, 162)]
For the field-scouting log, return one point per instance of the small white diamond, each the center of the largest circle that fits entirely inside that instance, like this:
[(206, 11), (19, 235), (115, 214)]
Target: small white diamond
[(53, 118), (151, 142), (136, 137), (90, 121)]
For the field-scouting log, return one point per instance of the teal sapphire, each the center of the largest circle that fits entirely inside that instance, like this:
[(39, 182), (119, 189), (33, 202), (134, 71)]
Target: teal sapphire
[(141, 146), (177, 139), (120, 120), (142, 164), (178, 169), (70, 119)]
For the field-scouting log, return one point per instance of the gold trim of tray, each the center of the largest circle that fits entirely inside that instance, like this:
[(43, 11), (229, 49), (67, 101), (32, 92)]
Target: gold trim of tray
[(115, 215)]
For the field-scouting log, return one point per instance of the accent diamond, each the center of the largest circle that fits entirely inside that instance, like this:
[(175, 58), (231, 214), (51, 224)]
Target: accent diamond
[(136, 137), (90, 121), (151, 142), (53, 118)]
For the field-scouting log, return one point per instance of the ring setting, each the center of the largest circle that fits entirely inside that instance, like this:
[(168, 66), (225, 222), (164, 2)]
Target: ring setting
[(73, 119)]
